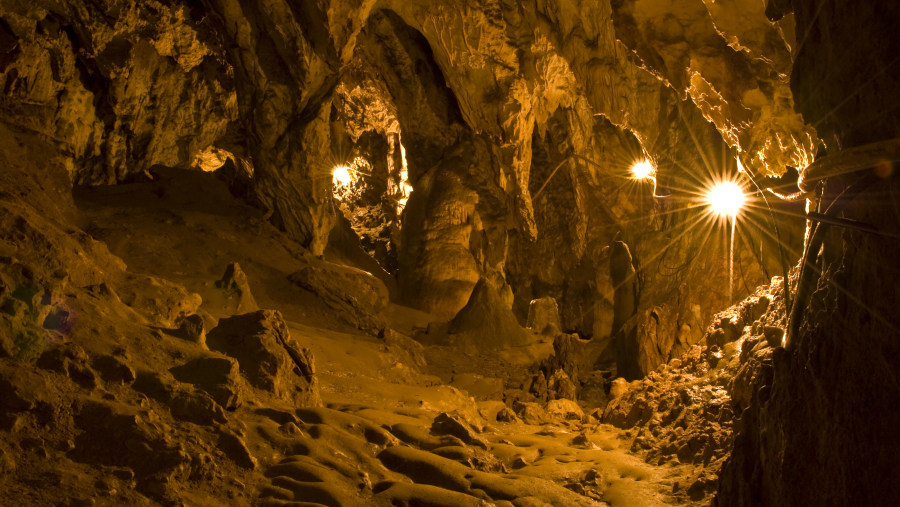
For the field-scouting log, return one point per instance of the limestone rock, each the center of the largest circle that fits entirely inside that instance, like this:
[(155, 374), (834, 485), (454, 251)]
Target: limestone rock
[(561, 386), (160, 301), (575, 356), (437, 269), (507, 415), (236, 449), (563, 409), (72, 361), (485, 323), (218, 376), (357, 296), (268, 357), (479, 387), (7, 462), (774, 336), (530, 413), (12, 402), (405, 348), (114, 434), (192, 329), (113, 369), (538, 386), (236, 287), (618, 388), (140, 53), (543, 316), (595, 390), (185, 402), (448, 424)]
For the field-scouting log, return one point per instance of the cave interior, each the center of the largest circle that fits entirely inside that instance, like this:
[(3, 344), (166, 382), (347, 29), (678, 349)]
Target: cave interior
[(449, 253)]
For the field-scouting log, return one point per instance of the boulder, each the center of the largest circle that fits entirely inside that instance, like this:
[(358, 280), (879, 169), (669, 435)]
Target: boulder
[(405, 348), (217, 375), (530, 413), (563, 409), (357, 296), (162, 302), (560, 386), (72, 361), (236, 287), (507, 415), (234, 446), (185, 402), (113, 369), (268, 357), (192, 329), (543, 316), (451, 424)]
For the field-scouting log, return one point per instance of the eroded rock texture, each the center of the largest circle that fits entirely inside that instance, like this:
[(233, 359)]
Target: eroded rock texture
[(811, 438), (512, 125), (119, 86), (484, 150)]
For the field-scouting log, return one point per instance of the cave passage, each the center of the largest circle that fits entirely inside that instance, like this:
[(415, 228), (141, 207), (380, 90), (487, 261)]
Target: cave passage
[(430, 252)]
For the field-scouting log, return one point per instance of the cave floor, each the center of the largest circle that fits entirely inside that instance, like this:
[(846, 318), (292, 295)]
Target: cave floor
[(186, 228)]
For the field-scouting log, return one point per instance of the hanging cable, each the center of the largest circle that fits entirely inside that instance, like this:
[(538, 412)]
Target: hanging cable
[(811, 254), (784, 266)]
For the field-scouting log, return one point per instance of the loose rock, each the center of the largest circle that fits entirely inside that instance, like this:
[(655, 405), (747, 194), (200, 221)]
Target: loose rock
[(268, 357), (218, 376)]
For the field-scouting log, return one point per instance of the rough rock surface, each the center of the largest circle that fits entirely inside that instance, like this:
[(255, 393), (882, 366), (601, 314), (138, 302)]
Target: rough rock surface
[(268, 357), (501, 135), (508, 124), (486, 323), (357, 295), (236, 289), (106, 404), (543, 316), (218, 376), (808, 434), (686, 413)]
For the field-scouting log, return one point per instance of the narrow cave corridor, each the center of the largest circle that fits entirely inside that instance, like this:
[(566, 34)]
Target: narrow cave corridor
[(446, 253)]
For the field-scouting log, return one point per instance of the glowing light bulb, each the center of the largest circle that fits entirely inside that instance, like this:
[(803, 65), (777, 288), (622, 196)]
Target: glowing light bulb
[(725, 199), (642, 170), (341, 176)]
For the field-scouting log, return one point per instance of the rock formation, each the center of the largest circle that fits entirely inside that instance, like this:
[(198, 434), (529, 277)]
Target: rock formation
[(511, 122), (839, 365), (433, 195)]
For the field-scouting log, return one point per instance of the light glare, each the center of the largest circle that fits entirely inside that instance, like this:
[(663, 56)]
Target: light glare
[(642, 170), (341, 176), (726, 199)]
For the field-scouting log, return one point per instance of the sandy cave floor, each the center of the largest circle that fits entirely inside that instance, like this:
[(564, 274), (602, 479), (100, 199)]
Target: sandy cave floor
[(163, 229)]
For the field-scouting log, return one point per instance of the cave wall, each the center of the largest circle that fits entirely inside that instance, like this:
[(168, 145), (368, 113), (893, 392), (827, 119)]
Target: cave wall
[(119, 86), (822, 427), (122, 86)]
